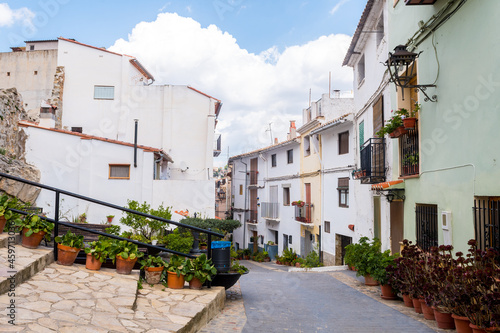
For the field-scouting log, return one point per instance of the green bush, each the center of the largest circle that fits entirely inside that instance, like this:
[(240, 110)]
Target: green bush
[(145, 226), (312, 260), (216, 225), (177, 241)]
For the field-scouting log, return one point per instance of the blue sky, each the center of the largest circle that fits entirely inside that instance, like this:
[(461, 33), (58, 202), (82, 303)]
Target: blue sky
[(260, 57)]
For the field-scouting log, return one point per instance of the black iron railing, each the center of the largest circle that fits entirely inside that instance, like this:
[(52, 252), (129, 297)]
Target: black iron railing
[(408, 153), (56, 221), (254, 216), (373, 161), (487, 223), (303, 213), (426, 222), (253, 177)]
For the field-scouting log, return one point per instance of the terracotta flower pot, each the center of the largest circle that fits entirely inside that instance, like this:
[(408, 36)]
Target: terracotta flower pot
[(417, 305), (153, 274), (174, 281), (92, 263), (195, 283), (476, 329), (66, 255), (387, 292), (443, 319), (124, 266), (3, 221), (407, 300), (409, 123), (369, 281), (461, 324), (427, 311), (32, 241)]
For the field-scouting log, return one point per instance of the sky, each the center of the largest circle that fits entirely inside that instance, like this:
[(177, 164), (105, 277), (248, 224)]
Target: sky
[(261, 58)]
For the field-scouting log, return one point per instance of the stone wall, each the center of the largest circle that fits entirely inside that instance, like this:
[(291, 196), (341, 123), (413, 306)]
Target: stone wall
[(56, 99), (13, 148)]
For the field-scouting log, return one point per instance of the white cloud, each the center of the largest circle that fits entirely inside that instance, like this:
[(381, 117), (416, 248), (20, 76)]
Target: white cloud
[(256, 89), (9, 17), (337, 6)]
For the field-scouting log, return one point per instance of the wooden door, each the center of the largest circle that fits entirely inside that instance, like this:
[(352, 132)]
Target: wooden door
[(397, 225)]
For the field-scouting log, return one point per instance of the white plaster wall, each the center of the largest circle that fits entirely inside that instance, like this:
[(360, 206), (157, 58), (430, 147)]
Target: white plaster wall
[(48, 45)]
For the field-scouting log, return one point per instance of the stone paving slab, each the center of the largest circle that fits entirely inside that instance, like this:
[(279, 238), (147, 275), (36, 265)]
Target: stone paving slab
[(74, 299)]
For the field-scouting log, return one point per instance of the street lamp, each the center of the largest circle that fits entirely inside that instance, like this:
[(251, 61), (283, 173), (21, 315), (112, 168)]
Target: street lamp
[(402, 69)]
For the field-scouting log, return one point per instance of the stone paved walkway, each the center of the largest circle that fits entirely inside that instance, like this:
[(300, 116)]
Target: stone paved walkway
[(74, 299)]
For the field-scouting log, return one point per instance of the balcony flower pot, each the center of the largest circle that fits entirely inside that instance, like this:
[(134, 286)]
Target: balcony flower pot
[(153, 274), (387, 292), (444, 319), (400, 131), (92, 263), (124, 266), (66, 255), (427, 311), (417, 305), (33, 241), (409, 123), (407, 300), (476, 329), (298, 203), (462, 324)]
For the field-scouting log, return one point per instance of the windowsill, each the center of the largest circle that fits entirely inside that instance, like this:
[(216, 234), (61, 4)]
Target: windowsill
[(409, 177), (343, 206)]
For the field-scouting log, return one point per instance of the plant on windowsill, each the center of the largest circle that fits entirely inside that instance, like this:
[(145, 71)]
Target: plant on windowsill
[(392, 127), (409, 117), (298, 203)]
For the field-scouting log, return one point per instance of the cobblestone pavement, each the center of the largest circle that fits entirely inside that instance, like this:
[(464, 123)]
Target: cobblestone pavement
[(274, 300), (73, 299)]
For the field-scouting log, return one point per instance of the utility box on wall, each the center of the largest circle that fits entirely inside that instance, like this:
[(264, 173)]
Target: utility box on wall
[(446, 227)]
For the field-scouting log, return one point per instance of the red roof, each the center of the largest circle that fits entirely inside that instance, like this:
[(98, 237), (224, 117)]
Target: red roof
[(83, 136), (385, 185), (218, 100), (93, 47)]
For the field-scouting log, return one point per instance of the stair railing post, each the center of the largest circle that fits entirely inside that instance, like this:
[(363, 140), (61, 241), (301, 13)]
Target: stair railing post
[(56, 224), (209, 253)]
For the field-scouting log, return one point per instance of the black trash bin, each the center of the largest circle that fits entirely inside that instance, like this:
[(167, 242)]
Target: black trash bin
[(221, 256)]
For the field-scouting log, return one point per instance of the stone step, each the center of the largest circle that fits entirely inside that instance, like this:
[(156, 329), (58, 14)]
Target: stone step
[(74, 299), (19, 264), (4, 239)]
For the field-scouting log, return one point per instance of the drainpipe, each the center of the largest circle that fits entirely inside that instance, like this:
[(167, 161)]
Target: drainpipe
[(135, 142), (245, 205)]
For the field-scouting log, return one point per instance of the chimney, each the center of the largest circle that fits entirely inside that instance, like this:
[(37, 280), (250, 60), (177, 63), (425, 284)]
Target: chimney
[(293, 131), (336, 93), (275, 141)]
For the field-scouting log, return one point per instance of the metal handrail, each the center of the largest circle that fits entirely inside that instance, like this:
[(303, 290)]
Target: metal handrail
[(56, 221)]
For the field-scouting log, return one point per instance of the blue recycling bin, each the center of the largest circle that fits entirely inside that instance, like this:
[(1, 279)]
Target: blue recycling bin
[(221, 256)]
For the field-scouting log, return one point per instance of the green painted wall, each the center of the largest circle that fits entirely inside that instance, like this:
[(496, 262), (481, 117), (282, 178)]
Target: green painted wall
[(462, 130)]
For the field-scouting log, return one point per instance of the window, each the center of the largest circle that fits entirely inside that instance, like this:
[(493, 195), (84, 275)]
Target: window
[(343, 188), (241, 189), (307, 146), (343, 143), (35, 73), (289, 154), (32, 47), (378, 115), (361, 70), (8, 73), (119, 171), (427, 231), (327, 227), (487, 222), (290, 239), (77, 129), (286, 196), (361, 131), (273, 160), (104, 92)]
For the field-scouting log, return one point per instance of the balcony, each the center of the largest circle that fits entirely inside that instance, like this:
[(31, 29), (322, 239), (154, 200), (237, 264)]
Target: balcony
[(270, 210), (372, 162), (303, 214), (408, 153), (217, 145), (254, 217), (253, 178)]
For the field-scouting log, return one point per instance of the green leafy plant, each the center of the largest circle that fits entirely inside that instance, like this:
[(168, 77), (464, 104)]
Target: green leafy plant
[(410, 159), (312, 260), (70, 239), (124, 249), (176, 265), (99, 249), (237, 268), (113, 229), (216, 225), (200, 268), (180, 242), (152, 261), (367, 258), (110, 216), (391, 125), (34, 224), (145, 226)]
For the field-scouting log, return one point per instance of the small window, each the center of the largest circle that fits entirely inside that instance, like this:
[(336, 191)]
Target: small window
[(119, 171), (241, 189), (327, 227), (290, 239), (104, 92), (289, 154), (286, 196), (35, 73), (273, 160), (8, 73), (361, 69), (343, 188), (361, 130), (32, 47), (343, 143), (77, 129), (307, 146)]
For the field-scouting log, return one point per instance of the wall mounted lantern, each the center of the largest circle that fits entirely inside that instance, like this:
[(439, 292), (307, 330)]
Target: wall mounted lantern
[(393, 194), (402, 71)]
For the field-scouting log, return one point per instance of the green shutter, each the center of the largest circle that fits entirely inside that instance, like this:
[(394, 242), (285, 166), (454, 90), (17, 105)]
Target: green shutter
[(361, 133)]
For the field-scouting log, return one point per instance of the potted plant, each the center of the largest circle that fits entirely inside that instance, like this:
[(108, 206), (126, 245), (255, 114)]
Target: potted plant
[(199, 270), (367, 258), (380, 274), (392, 127), (5, 213), (68, 247), (409, 117), (175, 272), (298, 203), (410, 160), (34, 229), (97, 252), (153, 268), (110, 218), (125, 254)]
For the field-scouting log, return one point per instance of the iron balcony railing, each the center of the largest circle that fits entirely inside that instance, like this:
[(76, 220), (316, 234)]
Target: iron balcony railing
[(57, 223), (254, 216), (253, 177), (408, 153), (269, 210), (372, 161), (487, 223), (303, 213)]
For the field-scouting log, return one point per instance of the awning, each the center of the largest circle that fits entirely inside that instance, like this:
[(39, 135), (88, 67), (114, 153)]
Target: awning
[(391, 185)]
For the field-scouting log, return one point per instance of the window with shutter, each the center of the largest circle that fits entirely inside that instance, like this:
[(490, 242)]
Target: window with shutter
[(119, 171), (104, 92), (343, 143), (378, 114), (343, 188), (361, 133)]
